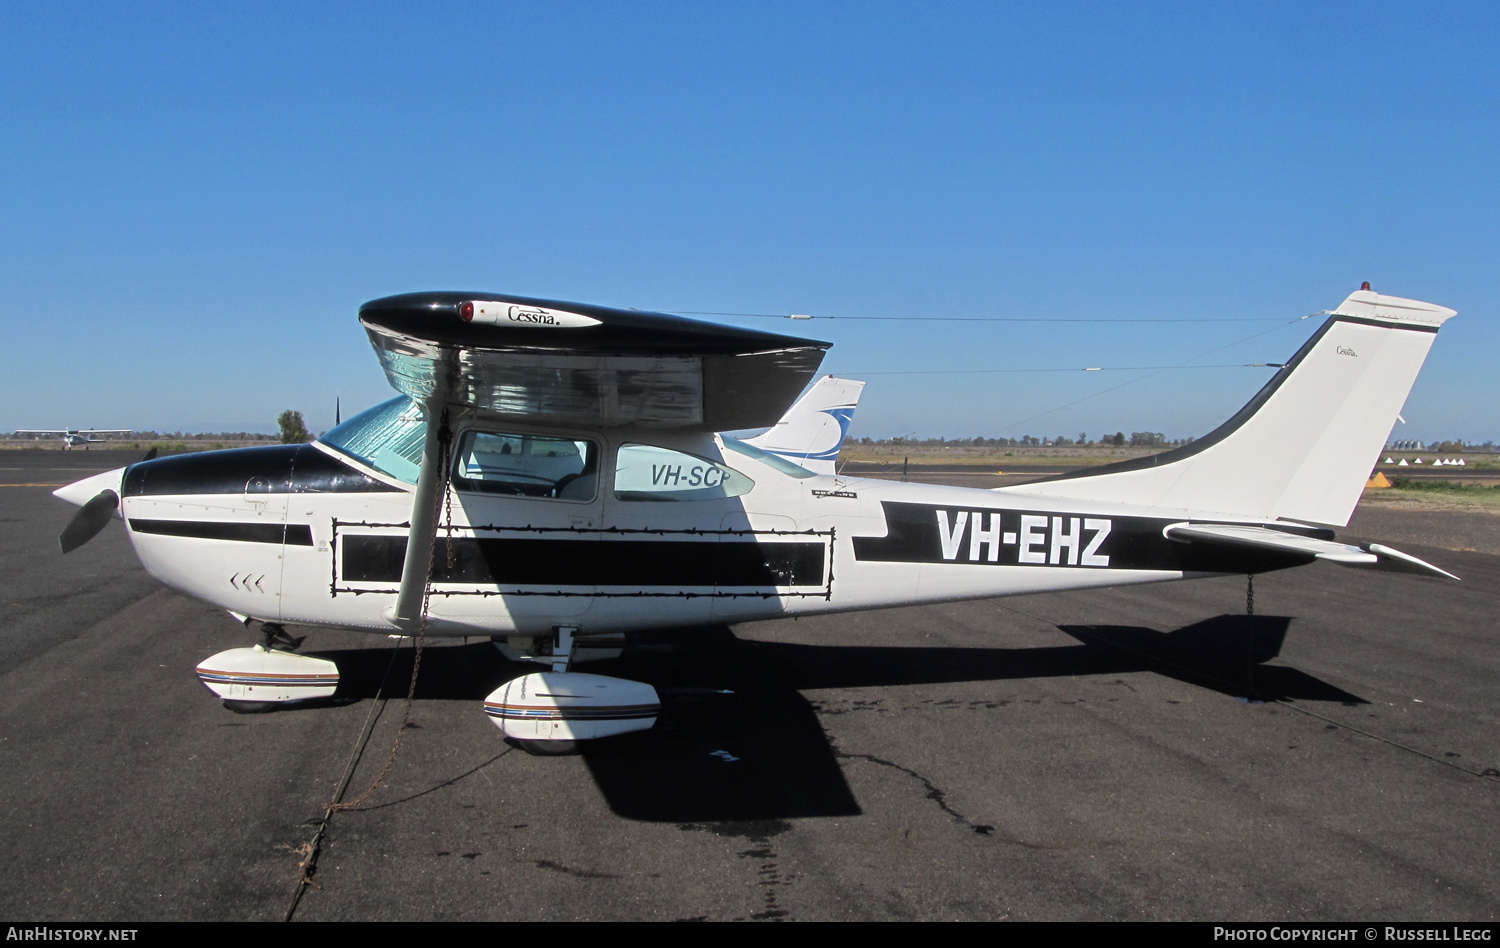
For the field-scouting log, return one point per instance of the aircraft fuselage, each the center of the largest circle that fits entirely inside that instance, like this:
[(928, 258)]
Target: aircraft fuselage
[(660, 529)]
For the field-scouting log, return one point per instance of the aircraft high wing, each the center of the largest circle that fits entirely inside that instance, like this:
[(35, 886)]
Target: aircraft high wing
[(550, 477)]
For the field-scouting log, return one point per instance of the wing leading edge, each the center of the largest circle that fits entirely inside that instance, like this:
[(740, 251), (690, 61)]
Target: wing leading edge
[(552, 362)]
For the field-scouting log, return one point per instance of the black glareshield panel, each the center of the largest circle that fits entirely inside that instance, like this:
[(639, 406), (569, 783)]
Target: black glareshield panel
[(275, 469), (638, 563), (931, 533)]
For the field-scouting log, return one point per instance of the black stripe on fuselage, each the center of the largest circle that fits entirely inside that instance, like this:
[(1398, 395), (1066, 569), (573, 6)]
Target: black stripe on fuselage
[(275, 469), (933, 533), (637, 563), (292, 534)]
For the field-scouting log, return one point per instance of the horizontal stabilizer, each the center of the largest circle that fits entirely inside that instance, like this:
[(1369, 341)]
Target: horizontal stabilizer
[(1398, 562), (1375, 556)]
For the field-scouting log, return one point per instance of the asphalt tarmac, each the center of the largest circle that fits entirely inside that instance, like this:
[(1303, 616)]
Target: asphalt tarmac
[(1142, 753)]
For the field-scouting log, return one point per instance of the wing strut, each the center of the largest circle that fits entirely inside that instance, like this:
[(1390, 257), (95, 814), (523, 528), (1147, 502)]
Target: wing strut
[(432, 487)]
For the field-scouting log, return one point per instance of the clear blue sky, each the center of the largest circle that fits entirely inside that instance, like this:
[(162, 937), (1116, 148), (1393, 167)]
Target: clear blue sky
[(196, 197)]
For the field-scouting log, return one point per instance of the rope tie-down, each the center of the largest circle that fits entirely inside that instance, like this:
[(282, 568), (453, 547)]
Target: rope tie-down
[(442, 503)]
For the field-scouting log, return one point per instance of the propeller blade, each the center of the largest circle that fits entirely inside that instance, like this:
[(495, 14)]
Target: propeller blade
[(150, 455), (90, 519)]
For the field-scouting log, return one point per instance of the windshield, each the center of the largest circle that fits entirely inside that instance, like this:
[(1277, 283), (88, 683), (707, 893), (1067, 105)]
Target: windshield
[(388, 437)]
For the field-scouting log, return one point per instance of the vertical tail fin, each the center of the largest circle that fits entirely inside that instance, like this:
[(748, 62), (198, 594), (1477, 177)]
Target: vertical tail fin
[(813, 430), (1302, 448)]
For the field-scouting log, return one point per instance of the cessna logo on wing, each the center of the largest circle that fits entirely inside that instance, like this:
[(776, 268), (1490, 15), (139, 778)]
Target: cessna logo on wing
[(497, 314), (521, 314), (927, 533), (536, 316)]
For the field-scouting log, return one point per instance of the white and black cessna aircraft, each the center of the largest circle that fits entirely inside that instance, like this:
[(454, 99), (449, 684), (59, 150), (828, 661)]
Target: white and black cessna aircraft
[(550, 477), (73, 437)]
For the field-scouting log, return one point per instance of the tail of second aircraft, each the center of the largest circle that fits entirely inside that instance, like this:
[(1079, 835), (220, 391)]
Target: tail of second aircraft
[(1303, 447), (813, 430)]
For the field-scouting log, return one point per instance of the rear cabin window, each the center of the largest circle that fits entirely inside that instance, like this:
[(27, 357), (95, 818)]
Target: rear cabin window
[(646, 472), (526, 465)]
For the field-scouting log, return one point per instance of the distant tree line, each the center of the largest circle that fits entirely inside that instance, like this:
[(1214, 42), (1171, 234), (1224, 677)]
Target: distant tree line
[(1457, 447), (176, 436), (198, 436)]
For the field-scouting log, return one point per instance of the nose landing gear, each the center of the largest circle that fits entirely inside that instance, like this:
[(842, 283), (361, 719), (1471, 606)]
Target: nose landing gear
[(547, 713)]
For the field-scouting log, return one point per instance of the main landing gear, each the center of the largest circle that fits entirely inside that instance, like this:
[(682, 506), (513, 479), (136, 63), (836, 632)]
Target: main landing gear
[(265, 676), (547, 713)]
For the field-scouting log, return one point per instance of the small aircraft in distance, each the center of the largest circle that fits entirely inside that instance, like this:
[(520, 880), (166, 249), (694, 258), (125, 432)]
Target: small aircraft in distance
[(73, 437), (551, 476)]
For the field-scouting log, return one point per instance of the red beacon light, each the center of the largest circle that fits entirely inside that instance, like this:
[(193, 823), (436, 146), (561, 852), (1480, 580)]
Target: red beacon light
[(466, 310)]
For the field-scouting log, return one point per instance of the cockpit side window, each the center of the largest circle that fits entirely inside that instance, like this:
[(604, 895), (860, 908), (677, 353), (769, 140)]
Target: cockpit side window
[(388, 437), (525, 465), (647, 472)]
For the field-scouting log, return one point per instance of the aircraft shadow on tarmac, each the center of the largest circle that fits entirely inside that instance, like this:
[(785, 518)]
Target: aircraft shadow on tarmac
[(737, 741)]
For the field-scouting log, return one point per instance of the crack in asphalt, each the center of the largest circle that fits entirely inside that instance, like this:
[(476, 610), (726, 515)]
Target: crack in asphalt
[(570, 871), (940, 797)]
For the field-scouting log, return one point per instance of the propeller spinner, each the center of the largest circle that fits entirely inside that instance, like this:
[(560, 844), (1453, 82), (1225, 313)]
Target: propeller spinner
[(97, 510)]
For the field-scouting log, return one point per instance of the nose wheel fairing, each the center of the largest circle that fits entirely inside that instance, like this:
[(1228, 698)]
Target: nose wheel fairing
[(558, 707), (571, 706), (262, 676)]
